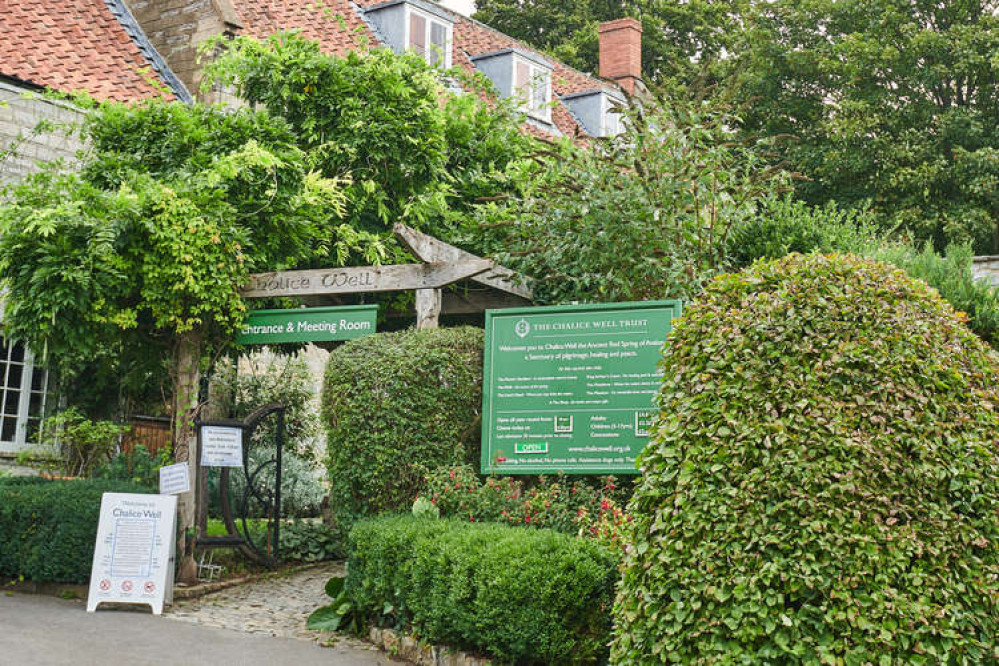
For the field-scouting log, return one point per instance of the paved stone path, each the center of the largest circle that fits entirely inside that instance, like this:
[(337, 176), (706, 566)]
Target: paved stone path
[(276, 605)]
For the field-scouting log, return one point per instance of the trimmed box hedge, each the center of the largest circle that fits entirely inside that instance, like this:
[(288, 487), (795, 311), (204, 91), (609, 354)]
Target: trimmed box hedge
[(48, 528), (533, 596)]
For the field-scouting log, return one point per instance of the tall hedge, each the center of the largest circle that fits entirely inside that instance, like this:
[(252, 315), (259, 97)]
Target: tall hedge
[(823, 482), (397, 405), (48, 528)]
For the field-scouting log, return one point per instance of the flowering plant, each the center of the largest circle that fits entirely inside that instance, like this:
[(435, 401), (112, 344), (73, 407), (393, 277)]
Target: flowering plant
[(576, 507)]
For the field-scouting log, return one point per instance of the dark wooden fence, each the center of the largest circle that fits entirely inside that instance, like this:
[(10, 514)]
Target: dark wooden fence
[(153, 432)]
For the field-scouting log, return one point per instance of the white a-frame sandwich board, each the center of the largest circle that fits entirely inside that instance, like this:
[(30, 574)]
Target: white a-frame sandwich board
[(134, 553)]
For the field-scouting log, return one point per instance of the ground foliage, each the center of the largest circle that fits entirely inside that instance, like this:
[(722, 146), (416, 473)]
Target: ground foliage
[(823, 482), (397, 405), (590, 507)]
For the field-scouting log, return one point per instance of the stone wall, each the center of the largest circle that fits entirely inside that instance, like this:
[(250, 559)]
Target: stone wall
[(986, 268), (22, 148), (178, 27)]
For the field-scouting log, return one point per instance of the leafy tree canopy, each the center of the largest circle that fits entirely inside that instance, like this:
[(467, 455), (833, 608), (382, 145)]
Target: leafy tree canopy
[(645, 215), (172, 206), (891, 103), (413, 150), (886, 104)]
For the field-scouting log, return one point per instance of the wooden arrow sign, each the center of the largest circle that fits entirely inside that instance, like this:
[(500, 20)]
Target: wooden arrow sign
[(392, 277), (428, 248)]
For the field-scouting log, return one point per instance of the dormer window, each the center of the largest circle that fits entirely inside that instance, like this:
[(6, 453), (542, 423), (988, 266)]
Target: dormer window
[(414, 25), (597, 111), (521, 74), (533, 84), (430, 38)]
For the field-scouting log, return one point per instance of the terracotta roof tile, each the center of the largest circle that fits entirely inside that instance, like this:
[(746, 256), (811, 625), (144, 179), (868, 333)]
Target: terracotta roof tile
[(72, 45), (335, 24), (338, 27)]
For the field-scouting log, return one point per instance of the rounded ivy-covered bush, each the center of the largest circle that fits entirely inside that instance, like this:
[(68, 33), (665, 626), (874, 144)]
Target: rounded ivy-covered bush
[(821, 485), (397, 405)]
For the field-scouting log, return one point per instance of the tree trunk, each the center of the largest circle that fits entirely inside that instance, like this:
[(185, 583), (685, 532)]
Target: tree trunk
[(187, 357)]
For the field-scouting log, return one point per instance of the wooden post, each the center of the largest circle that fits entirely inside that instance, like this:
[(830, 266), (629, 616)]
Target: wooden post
[(428, 307), (187, 359)]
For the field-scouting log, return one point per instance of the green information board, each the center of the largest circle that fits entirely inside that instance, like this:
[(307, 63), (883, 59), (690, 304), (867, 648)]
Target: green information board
[(570, 388), (264, 327)]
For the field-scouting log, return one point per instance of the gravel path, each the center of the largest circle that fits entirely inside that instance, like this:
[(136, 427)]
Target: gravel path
[(276, 605)]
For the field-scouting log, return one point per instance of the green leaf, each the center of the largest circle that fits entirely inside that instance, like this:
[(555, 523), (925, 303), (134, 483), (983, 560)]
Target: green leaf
[(334, 586), (327, 618)]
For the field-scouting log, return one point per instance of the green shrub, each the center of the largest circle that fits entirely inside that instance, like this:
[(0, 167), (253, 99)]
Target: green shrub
[(83, 444), (48, 528), (786, 225), (302, 491), (283, 379), (951, 275), (823, 481), (397, 405), (265, 378), (304, 541), (14, 481), (533, 596), (137, 466)]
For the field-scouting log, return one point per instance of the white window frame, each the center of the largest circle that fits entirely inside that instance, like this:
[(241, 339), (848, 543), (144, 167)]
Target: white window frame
[(28, 370), (534, 71), (610, 122), (429, 20)]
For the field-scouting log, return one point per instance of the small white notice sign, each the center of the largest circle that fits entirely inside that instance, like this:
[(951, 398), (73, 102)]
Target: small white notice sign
[(133, 557), (221, 446), (174, 479)]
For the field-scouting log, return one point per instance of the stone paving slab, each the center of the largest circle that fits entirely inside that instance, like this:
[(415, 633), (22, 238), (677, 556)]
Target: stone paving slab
[(275, 604)]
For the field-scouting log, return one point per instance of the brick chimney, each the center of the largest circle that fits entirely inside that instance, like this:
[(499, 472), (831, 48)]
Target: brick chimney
[(621, 52)]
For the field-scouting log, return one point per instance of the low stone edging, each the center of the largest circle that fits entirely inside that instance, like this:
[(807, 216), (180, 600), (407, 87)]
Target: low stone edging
[(201, 589), (406, 647)]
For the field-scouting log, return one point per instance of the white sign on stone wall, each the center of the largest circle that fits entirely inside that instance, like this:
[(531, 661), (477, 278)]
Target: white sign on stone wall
[(134, 553)]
